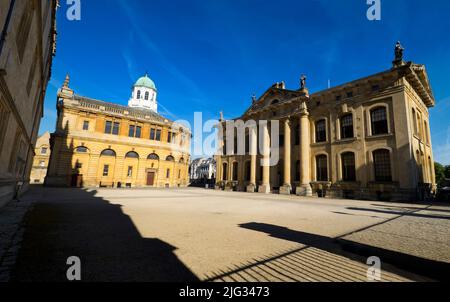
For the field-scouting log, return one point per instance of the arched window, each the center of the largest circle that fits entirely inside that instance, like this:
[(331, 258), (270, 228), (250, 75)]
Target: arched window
[(138, 94), (347, 126), (235, 171), (132, 154), (108, 152), (146, 95), (81, 149), (321, 168), (181, 160), (321, 131), (382, 165), (153, 156), (274, 102), (379, 121), (348, 166), (170, 158), (224, 171), (248, 166)]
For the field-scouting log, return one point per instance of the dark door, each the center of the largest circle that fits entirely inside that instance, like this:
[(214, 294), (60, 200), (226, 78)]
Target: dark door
[(150, 178), (77, 181)]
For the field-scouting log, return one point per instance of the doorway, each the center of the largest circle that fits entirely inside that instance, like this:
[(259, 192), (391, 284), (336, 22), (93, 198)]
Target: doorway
[(150, 179)]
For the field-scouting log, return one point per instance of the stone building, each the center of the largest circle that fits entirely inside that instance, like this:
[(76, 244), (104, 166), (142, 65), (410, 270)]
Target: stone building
[(99, 144), (27, 46), (367, 139), (41, 159), (202, 171)]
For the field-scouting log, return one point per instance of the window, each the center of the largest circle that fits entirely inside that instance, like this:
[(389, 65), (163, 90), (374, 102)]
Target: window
[(131, 131), (81, 150), (32, 72), (348, 167), (347, 126), (297, 134), (152, 134), (146, 96), (138, 94), (350, 94), (132, 154), (4, 116), (247, 144), (153, 156), (105, 170), (130, 171), (168, 173), (112, 128), (382, 165), (86, 125), (321, 131), (170, 158), (379, 121), (171, 137), (158, 135), (425, 129), (44, 150), (134, 131), (179, 173), (235, 171), (224, 171), (108, 152), (322, 168), (248, 165), (116, 126), (24, 28), (414, 116)]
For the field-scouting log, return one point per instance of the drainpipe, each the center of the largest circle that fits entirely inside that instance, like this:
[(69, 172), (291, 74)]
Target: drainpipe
[(6, 26)]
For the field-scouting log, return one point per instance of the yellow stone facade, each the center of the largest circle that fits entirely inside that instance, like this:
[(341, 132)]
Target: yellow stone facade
[(41, 159), (93, 147), (367, 139)]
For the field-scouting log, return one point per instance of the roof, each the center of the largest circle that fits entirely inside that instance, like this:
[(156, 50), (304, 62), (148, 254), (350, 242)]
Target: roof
[(139, 113), (146, 82)]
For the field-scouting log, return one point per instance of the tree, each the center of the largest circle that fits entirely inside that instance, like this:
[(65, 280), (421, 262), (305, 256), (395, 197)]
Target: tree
[(440, 172), (447, 172)]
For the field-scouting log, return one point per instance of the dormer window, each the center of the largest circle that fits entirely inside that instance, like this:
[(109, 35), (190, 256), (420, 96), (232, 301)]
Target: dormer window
[(146, 96), (138, 94)]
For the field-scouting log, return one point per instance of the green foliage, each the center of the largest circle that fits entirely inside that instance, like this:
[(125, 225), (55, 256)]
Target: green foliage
[(442, 172)]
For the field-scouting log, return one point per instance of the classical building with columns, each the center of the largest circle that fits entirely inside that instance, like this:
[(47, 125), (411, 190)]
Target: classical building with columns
[(367, 139), (100, 144)]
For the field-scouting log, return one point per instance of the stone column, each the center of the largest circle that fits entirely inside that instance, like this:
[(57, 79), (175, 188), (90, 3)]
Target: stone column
[(286, 189), (251, 188), (265, 187), (305, 152), (219, 153)]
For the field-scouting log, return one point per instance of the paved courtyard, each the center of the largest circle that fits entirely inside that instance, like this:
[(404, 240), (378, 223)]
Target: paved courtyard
[(197, 234)]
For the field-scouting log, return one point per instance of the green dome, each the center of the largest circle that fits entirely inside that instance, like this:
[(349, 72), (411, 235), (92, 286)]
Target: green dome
[(145, 81)]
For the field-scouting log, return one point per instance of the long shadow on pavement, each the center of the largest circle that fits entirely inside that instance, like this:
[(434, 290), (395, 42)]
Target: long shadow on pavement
[(356, 251), (100, 234)]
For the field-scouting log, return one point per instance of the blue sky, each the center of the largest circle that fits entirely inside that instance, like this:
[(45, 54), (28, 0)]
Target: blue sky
[(212, 55)]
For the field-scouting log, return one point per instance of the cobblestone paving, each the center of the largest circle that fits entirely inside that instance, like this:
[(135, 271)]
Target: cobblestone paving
[(205, 235), (11, 233), (302, 265)]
